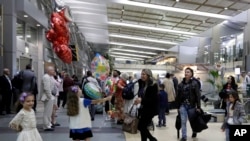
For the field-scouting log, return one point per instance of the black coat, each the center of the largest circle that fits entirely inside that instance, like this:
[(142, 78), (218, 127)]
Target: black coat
[(5, 87), (194, 93), (198, 121), (149, 102)]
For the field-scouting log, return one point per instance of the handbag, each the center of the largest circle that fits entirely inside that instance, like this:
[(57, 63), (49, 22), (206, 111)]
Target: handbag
[(130, 123)]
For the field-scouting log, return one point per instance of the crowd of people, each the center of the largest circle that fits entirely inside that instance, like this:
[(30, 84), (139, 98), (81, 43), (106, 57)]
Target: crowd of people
[(152, 98)]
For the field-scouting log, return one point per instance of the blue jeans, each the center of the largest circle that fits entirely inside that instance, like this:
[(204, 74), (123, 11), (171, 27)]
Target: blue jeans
[(184, 116), (227, 133), (161, 116)]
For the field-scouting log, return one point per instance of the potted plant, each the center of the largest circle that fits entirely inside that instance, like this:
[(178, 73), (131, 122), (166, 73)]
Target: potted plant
[(217, 84)]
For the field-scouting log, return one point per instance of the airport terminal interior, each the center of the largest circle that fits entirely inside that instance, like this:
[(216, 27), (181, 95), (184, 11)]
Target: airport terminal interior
[(50, 49)]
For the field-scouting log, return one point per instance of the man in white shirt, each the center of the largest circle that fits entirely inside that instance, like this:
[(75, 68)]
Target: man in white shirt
[(47, 97)]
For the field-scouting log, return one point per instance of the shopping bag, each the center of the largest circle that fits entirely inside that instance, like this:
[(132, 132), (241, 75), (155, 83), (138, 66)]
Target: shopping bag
[(130, 123)]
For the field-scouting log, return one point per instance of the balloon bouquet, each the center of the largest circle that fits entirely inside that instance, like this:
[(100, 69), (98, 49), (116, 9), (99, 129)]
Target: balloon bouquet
[(58, 34), (99, 67)]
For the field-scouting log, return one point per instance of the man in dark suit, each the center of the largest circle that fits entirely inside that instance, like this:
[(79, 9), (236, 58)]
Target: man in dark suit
[(5, 92)]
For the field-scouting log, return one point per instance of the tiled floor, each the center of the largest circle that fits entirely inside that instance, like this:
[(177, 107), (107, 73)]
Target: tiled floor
[(109, 131)]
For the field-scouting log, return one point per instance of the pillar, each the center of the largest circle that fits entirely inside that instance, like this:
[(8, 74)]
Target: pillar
[(9, 36)]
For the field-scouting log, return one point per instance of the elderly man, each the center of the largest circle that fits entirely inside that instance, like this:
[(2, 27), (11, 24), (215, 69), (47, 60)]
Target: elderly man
[(5, 92), (47, 97)]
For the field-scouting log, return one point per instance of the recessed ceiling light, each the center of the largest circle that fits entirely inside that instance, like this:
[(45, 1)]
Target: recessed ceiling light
[(172, 9), (150, 28), (129, 54), (142, 39), (138, 46), (177, 0), (225, 8), (25, 16), (38, 25)]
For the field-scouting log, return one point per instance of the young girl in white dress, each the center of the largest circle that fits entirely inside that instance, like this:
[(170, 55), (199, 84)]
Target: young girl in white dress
[(78, 112), (25, 120)]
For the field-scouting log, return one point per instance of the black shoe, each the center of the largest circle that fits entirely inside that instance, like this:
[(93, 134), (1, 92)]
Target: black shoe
[(183, 139), (158, 125), (153, 139), (49, 129), (194, 135), (56, 124), (119, 122)]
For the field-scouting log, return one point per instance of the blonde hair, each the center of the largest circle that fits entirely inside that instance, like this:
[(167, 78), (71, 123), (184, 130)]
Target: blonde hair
[(72, 103)]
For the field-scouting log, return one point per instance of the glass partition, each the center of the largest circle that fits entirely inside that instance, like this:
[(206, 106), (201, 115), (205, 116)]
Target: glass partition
[(31, 35), (20, 27), (231, 48)]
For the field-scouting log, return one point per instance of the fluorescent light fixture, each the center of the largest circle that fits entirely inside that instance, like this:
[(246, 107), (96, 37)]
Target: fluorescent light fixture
[(26, 50), (142, 39), (38, 25), (127, 50), (126, 57), (173, 9), (25, 16), (28, 36), (137, 46), (150, 28), (126, 54)]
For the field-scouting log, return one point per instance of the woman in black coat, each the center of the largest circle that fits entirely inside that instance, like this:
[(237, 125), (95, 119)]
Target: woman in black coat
[(148, 98), (230, 85)]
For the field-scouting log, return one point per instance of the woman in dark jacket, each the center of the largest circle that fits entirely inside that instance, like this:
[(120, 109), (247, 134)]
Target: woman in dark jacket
[(188, 98), (148, 97), (230, 85)]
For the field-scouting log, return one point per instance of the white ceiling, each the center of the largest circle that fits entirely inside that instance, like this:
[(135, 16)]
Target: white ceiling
[(131, 24)]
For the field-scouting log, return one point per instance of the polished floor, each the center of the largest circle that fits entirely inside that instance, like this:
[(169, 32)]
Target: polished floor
[(104, 130)]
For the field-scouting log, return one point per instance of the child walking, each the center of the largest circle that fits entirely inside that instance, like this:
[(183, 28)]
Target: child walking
[(235, 113), (25, 120), (79, 117), (163, 103)]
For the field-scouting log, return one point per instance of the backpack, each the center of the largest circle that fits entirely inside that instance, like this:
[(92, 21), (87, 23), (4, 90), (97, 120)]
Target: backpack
[(128, 91), (84, 82)]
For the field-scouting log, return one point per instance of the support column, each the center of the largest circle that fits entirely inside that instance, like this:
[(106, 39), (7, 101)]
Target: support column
[(9, 36), (246, 44)]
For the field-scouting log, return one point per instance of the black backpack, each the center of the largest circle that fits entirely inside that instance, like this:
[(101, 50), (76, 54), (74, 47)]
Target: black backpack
[(84, 82), (128, 91)]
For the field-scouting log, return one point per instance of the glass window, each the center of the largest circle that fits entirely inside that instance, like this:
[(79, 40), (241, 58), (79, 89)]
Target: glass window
[(20, 29), (31, 35)]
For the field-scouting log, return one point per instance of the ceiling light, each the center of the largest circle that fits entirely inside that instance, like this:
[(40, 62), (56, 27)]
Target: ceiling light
[(126, 54), (177, 0), (138, 46), (142, 39), (172, 9), (25, 16), (150, 28), (38, 25), (123, 10), (127, 50), (225, 8), (125, 57)]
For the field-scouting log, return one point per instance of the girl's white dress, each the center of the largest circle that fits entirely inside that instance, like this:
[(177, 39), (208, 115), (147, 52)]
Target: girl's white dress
[(27, 120)]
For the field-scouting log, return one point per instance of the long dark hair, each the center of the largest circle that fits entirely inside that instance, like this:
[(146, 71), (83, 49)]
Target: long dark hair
[(73, 101), (233, 83), (235, 95)]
